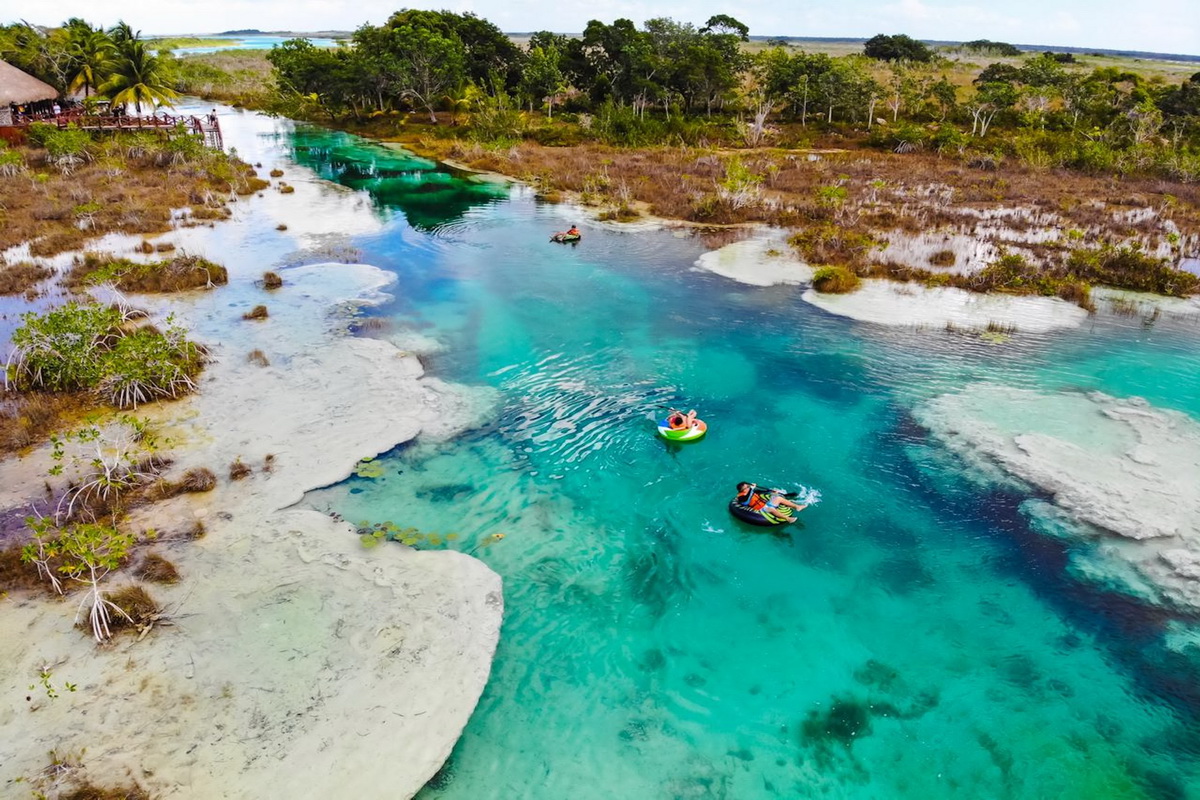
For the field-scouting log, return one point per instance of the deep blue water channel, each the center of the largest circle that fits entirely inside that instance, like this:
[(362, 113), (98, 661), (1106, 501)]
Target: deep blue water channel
[(912, 636)]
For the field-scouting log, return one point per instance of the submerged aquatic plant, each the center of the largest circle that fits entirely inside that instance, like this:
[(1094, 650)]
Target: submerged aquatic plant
[(372, 534), (369, 468)]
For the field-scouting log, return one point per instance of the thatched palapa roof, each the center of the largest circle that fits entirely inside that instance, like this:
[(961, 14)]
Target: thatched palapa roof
[(21, 87)]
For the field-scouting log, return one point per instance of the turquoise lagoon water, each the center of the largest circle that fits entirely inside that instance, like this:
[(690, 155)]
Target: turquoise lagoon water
[(910, 637), (251, 42)]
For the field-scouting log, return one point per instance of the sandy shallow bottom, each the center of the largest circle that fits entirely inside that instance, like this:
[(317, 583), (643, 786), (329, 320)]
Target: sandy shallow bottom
[(909, 305), (297, 664), (766, 259), (1121, 476)]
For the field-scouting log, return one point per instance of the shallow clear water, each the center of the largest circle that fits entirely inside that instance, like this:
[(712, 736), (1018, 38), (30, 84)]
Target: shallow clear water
[(247, 43), (910, 637)]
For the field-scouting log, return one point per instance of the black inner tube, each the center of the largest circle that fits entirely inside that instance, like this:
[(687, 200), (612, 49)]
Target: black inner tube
[(755, 517)]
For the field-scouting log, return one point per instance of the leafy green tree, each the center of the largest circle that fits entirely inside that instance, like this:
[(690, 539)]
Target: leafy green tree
[(991, 97), (543, 78), (988, 47), (944, 95), (91, 60), (138, 77), (896, 48), (431, 64), (84, 553)]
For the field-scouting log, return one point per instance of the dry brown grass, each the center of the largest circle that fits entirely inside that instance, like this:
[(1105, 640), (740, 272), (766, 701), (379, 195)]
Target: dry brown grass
[(883, 190), (195, 480), (132, 195), (157, 569), (21, 277), (943, 258), (258, 357), (238, 470), (28, 418), (271, 280), (15, 574), (258, 312), (90, 791), (137, 603)]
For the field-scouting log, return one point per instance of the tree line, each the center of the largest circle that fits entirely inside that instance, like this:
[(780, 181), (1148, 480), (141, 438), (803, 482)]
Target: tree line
[(114, 64), (666, 69), (668, 80)]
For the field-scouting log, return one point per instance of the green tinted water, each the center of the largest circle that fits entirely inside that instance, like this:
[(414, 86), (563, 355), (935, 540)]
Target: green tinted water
[(911, 637)]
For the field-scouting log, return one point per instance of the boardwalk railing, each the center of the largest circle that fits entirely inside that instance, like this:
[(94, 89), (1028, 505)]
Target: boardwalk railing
[(206, 127)]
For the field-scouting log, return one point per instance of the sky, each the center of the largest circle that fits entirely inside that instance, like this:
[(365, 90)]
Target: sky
[(1163, 26)]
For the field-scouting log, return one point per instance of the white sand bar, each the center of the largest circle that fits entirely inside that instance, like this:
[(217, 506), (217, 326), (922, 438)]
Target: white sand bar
[(763, 260), (298, 664), (1124, 472), (887, 302)]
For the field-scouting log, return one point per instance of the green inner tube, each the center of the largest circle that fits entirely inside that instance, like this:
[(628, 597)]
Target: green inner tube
[(562, 237), (691, 434)]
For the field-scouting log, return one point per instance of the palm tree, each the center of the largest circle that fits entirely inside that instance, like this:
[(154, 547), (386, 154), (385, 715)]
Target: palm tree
[(91, 60), (121, 33), (138, 77)]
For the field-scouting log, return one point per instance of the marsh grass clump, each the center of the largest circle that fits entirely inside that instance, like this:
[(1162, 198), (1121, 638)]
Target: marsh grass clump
[(276, 173), (27, 418), (90, 791), (281, 227), (157, 569), (1013, 274), (258, 312), (239, 469), (21, 277), (269, 462), (835, 280), (195, 480), (943, 258), (16, 573), (1129, 268), (826, 242), (286, 188), (258, 357), (1003, 328), (138, 608), (181, 273), (271, 280)]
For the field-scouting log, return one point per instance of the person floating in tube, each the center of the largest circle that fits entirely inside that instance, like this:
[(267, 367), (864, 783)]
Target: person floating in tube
[(767, 501), (678, 421), (567, 235)]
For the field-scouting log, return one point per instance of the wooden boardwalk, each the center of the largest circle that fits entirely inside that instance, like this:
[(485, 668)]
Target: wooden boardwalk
[(207, 127)]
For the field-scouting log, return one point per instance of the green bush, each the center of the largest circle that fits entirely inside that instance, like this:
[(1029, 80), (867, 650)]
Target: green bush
[(1130, 268), (87, 348), (835, 280), (67, 143)]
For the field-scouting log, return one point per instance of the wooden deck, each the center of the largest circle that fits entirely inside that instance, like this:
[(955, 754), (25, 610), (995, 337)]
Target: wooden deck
[(209, 128)]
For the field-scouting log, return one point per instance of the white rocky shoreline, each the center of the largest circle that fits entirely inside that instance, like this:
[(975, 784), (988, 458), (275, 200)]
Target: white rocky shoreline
[(297, 663)]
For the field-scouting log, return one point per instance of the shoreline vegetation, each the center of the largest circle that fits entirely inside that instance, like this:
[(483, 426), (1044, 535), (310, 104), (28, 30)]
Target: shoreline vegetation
[(118, 504), (975, 166)]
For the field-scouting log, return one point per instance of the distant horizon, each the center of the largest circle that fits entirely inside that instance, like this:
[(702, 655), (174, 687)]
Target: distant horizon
[(1158, 27), (1029, 47)]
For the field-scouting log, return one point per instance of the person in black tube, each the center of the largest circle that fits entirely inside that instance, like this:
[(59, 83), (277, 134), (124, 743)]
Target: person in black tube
[(767, 502)]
